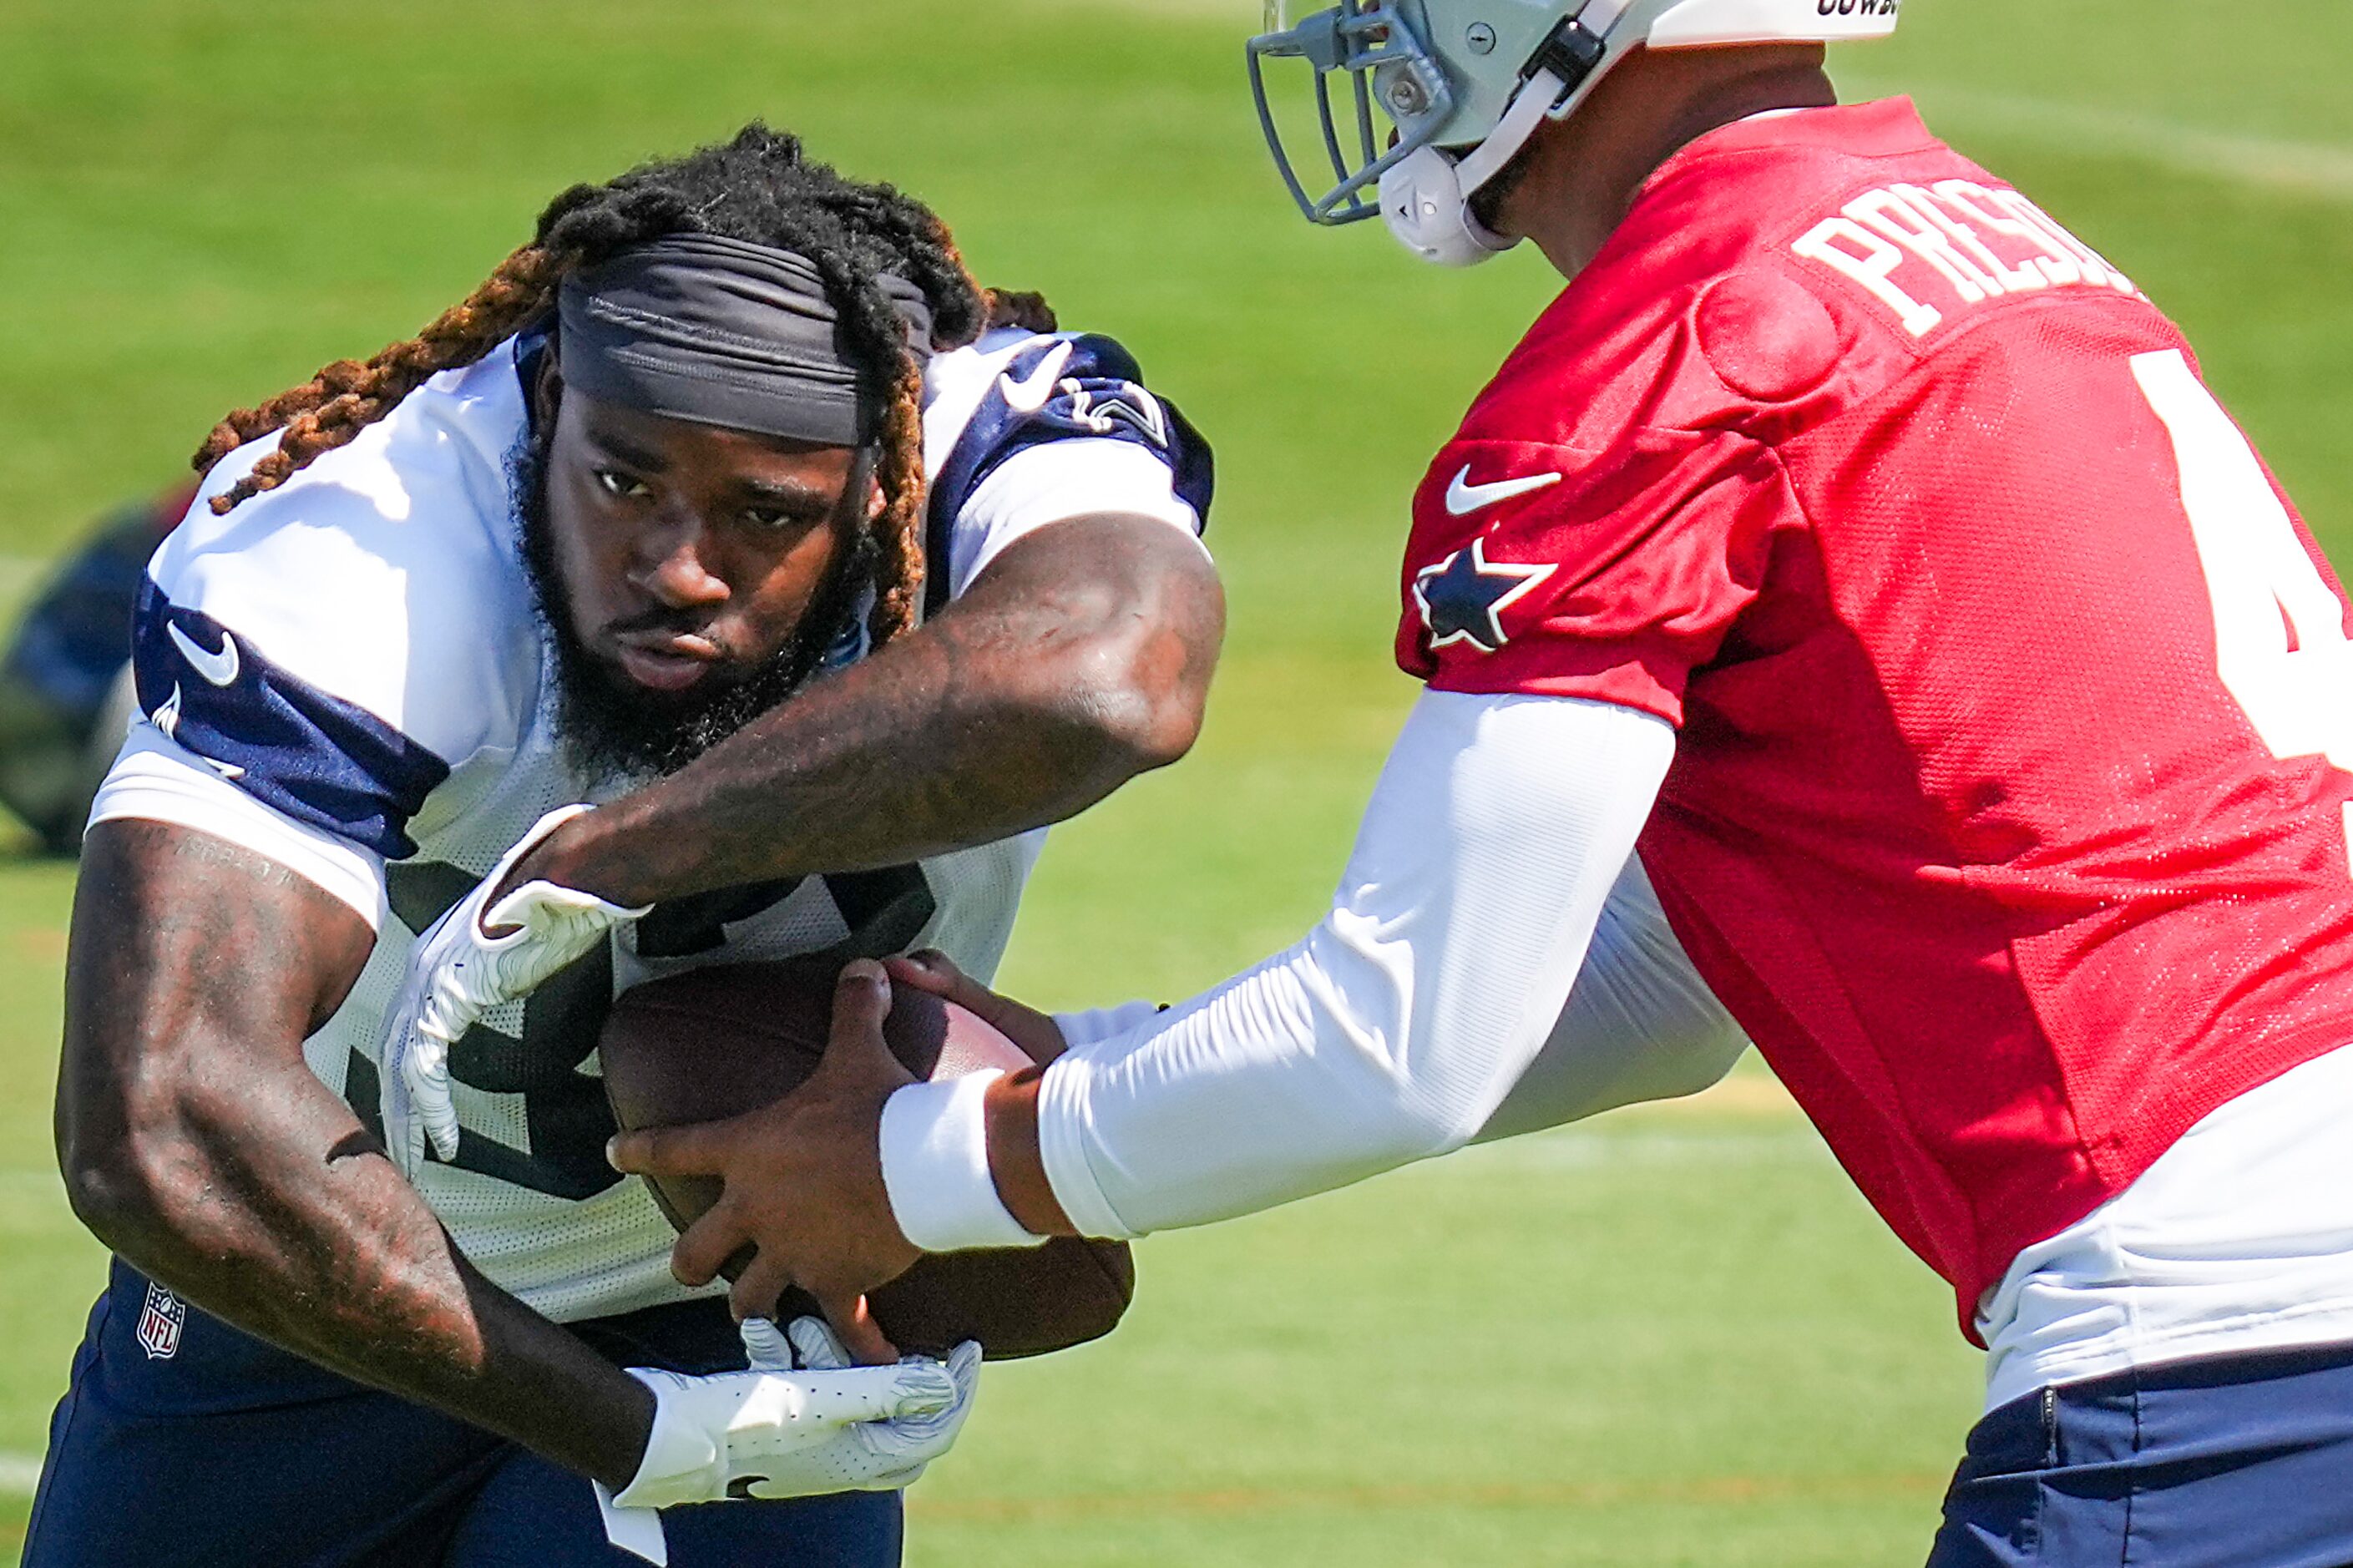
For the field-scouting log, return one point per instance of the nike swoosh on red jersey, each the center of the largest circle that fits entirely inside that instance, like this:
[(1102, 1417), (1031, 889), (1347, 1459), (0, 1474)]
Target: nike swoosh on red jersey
[(1463, 498)]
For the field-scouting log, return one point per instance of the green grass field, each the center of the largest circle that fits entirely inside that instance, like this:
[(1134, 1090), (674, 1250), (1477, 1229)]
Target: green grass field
[(1673, 1337)]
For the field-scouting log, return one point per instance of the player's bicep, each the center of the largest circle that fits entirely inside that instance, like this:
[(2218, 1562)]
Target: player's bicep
[(1493, 842), (174, 926), (1115, 571), (195, 970), (209, 930), (1105, 631), (1395, 1028), (155, 778)]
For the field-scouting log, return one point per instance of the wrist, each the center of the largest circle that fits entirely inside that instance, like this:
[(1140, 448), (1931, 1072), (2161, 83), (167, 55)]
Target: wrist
[(680, 1463), (633, 1437), (936, 1167), (1013, 1158), (577, 856)]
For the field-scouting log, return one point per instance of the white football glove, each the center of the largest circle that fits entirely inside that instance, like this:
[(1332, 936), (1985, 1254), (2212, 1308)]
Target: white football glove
[(457, 972), (902, 1447), (773, 1432)]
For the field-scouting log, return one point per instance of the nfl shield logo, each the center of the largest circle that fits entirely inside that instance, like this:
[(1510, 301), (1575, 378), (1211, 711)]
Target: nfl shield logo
[(160, 1322)]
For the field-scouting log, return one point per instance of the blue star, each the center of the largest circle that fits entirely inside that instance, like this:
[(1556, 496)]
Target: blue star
[(1463, 597)]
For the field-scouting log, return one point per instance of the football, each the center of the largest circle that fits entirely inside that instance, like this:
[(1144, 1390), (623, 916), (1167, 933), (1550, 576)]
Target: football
[(714, 1043)]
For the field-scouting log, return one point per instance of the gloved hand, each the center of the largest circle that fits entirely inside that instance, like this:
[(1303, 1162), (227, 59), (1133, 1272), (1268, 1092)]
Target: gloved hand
[(776, 1432), (459, 971), (905, 1447)]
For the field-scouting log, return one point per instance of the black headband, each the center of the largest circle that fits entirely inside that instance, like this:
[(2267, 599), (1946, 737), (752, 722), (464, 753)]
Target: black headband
[(723, 332)]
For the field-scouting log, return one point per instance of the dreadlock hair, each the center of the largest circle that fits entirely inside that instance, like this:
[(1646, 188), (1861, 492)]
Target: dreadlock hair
[(756, 188)]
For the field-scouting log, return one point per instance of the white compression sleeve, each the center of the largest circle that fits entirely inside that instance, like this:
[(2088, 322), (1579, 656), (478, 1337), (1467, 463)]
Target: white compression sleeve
[(1639, 1024), (1101, 1022), (1395, 1028)]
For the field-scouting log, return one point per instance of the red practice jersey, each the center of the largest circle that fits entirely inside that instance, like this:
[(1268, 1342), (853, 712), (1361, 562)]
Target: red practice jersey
[(2009, 814)]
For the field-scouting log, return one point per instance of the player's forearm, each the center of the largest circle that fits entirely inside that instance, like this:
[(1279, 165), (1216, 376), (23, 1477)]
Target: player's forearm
[(1388, 1034), (1081, 658), (276, 1214), (196, 1143)]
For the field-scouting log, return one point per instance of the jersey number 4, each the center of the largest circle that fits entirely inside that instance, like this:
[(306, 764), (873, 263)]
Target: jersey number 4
[(2279, 630)]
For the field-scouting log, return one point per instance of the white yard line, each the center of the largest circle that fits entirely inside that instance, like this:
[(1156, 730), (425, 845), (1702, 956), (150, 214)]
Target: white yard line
[(2312, 169), (19, 1474)]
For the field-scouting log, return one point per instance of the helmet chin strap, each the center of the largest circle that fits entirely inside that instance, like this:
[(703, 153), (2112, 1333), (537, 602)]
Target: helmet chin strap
[(1425, 199)]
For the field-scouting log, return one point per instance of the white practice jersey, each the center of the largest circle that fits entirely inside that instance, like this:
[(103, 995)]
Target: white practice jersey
[(349, 675)]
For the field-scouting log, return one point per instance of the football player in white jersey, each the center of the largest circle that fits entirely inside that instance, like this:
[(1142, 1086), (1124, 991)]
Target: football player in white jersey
[(734, 463)]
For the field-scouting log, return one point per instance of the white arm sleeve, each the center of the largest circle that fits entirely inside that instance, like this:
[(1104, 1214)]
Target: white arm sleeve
[(1099, 1024), (1396, 1027), (1639, 1024)]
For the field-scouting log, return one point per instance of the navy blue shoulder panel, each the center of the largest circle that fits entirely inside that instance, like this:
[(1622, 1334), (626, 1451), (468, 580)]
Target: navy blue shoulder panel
[(1059, 389), (319, 759)]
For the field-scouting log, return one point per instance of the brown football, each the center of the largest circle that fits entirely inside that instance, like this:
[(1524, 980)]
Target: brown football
[(716, 1042)]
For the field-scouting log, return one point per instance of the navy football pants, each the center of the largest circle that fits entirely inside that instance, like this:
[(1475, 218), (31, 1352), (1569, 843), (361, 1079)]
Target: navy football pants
[(231, 1453), (2244, 1461)]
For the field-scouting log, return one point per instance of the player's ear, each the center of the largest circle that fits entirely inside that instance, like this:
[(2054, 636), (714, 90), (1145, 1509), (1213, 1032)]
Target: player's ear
[(547, 392)]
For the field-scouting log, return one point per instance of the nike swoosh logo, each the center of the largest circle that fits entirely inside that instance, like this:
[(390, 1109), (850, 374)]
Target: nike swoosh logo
[(1031, 393), (220, 668), (1463, 498)]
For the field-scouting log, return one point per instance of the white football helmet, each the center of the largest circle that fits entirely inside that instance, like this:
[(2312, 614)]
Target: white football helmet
[(1466, 83)]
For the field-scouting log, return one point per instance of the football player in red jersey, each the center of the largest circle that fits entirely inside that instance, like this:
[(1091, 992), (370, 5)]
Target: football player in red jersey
[(1848, 595)]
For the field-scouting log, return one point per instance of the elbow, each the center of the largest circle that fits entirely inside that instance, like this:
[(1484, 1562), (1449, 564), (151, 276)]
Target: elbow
[(1120, 639), (1137, 713), (124, 1179), (1151, 730), (1410, 1128), (1698, 1062), (116, 1195)]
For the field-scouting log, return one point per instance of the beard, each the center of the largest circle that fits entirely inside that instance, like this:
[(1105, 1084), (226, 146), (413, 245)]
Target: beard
[(611, 727)]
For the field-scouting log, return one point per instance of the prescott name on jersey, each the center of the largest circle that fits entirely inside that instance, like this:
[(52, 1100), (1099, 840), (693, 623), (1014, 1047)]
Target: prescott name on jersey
[(348, 674), (2009, 813)]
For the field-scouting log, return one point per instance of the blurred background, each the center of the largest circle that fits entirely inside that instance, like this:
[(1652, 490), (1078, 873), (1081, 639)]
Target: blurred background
[(1675, 1336)]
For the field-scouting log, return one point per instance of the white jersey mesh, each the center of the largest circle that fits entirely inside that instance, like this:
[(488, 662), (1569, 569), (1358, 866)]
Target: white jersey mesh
[(575, 1257)]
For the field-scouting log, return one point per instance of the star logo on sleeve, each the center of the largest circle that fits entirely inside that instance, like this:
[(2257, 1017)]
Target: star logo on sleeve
[(1463, 597)]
